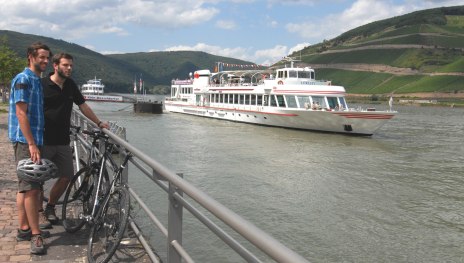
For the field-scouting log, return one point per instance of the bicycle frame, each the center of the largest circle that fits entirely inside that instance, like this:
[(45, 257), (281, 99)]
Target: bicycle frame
[(100, 164), (99, 207)]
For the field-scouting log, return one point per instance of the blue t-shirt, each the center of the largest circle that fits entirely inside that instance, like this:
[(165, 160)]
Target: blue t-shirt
[(26, 87)]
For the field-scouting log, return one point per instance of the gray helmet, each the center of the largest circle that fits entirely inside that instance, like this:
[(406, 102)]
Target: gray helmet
[(29, 171)]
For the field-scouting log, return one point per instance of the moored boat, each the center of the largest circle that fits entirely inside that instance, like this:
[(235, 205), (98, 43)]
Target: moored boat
[(93, 87), (94, 90), (290, 97)]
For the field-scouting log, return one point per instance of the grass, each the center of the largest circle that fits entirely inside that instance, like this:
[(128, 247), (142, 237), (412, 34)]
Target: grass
[(394, 83), (456, 66), (382, 83), (369, 56), (433, 84)]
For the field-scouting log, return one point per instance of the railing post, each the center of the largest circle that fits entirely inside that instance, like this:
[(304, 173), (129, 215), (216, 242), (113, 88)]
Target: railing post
[(175, 214), (125, 172)]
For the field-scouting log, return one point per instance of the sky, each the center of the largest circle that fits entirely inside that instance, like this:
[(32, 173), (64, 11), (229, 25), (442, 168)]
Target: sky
[(260, 31)]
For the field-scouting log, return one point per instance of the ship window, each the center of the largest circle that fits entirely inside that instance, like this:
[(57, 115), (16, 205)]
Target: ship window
[(241, 98), (253, 99), (292, 74), (247, 99), (320, 100), (313, 75), (221, 98), (343, 102), (260, 100), (231, 98), (291, 101), (266, 100), (332, 102), (280, 100), (235, 98), (304, 74), (273, 101), (303, 101)]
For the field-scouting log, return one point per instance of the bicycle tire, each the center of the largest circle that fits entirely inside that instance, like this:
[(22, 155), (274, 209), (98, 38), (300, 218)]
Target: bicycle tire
[(109, 228), (47, 186), (78, 200)]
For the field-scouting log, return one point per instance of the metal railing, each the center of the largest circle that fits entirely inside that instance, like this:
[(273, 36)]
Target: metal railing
[(176, 188)]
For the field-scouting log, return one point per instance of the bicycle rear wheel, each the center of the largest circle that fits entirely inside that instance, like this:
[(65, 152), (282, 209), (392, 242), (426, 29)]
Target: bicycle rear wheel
[(78, 200), (108, 229)]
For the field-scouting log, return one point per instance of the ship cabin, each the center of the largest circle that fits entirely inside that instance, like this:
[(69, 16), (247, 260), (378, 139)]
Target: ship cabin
[(258, 88), (93, 87)]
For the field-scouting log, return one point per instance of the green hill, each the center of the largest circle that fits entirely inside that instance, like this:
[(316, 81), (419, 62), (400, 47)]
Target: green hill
[(119, 71), (414, 53)]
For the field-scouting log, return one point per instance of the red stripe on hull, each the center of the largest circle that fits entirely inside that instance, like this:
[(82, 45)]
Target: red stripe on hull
[(366, 116)]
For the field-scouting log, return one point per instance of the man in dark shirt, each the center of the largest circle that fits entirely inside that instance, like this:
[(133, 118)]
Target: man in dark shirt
[(60, 92)]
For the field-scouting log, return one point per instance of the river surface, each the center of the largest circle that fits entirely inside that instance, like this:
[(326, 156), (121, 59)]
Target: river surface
[(397, 196)]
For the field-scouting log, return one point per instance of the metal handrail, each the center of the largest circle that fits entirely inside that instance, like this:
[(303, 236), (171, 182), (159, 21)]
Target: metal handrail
[(260, 239)]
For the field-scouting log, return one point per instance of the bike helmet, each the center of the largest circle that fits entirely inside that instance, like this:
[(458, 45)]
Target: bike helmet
[(29, 171)]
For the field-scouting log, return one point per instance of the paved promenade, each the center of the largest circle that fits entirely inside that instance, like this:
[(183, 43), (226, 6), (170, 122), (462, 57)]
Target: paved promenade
[(62, 246)]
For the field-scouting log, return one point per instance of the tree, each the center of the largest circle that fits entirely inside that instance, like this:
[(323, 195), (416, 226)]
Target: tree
[(10, 65)]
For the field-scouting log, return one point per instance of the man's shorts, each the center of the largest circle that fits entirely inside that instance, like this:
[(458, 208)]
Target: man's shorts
[(62, 156), (21, 151)]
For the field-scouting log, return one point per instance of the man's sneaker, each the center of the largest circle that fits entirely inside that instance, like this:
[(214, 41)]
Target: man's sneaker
[(43, 221), (51, 215), (25, 235), (37, 245)]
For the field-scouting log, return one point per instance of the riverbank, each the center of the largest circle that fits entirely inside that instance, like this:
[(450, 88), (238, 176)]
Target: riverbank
[(61, 246), (444, 99)]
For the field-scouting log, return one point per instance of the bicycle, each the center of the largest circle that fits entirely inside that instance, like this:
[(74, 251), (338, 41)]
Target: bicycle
[(47, 186), (103, 204)]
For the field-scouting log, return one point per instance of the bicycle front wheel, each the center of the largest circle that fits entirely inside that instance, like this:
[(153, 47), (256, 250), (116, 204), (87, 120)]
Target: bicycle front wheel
[(77, 201), (50, 183), (108, 229)]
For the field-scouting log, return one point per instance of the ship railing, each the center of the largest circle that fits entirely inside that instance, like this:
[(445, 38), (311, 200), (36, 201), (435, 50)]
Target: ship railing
[(184, 196)]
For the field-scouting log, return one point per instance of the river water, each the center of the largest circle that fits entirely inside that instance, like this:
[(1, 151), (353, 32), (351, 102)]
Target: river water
[(394, 197)]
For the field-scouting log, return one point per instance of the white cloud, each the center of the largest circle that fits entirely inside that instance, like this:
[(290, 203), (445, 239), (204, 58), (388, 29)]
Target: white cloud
[(80, 18), (298, 47), (271, 55), (238, 52), (264, 56), (359, 13), (226, 24), (99, 23)]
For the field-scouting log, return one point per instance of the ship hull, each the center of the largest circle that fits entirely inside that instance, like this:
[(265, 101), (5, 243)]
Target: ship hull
[(346, 121)]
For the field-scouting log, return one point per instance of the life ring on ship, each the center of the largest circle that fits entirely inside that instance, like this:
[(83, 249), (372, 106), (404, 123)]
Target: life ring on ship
[(280, 82)]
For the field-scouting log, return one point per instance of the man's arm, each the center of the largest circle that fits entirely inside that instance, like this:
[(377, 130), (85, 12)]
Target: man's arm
[(24, 125), (88, 112)]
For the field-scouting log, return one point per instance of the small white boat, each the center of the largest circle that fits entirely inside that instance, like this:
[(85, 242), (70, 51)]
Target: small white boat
[(93, 87), (94, 90), (290, 97)]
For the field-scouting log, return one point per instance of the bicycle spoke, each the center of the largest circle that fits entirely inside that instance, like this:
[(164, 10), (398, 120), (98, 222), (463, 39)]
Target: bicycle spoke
[(107, 232), (77, 200)]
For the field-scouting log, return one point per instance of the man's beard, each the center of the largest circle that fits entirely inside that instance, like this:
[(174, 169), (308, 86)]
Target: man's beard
[(37, 67), (61, 74)]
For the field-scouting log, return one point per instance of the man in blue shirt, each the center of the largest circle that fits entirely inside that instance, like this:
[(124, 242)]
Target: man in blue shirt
[(25, 130)]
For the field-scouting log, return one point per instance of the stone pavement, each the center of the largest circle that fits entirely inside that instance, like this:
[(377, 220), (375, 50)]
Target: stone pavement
[(61, 246)]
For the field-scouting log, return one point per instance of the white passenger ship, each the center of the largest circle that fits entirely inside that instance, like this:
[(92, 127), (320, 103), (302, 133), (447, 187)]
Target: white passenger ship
[(292, 98), (93, 87), (94, 90)]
